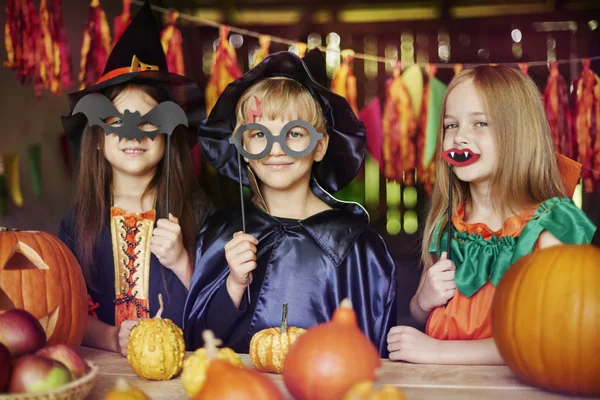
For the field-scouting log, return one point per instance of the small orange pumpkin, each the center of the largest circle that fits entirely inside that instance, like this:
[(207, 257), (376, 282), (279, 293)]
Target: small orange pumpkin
[(369, 390), (269, 347), (226, 381), (326, 361), (193, 374), (40, 274), (546, 318)]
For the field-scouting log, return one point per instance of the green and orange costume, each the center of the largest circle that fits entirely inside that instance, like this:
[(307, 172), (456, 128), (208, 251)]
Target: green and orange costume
[(482, 256)]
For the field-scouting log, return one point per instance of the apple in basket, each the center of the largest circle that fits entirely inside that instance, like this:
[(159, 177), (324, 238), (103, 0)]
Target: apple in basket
[(68, 357), (33, 374), (21, 333)]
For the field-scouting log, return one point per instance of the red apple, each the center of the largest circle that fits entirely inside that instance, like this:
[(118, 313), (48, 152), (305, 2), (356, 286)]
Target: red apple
[(5, 361), (21, 333), (32, 374), (66, 355)]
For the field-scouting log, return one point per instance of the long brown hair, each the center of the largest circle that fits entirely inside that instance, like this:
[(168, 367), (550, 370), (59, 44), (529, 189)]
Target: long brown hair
[(95, 180), (527, 172)]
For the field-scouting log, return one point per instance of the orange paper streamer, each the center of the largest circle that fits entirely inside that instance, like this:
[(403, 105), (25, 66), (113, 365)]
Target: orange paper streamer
[(224, 71), (399, 130), (344, 81)]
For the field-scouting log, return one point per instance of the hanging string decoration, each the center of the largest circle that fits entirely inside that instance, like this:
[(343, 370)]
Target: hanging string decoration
[(558, 113), (344, 81), (54, 56), (171, 40), (587, 116), (96, 46), (399, 129), (20, 39), (264, 41), (122, 21), (224, 71), (429, 122)]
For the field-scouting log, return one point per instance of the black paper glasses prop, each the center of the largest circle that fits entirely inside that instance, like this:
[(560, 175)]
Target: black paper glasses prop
[(164, 117), (254, 141)]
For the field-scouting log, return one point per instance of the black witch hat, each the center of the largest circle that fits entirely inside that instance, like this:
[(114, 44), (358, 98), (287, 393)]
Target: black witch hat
[(138, 56), (346, 149), (315, 61)]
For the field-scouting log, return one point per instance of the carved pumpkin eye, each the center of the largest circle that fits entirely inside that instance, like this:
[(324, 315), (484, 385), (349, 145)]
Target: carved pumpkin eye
[(24, 257)]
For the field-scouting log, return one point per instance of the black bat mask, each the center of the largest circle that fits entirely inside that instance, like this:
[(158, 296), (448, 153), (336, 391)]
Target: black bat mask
[(166, 116)]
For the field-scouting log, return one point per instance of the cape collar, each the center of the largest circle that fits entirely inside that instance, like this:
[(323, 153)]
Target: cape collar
[(334, 230)]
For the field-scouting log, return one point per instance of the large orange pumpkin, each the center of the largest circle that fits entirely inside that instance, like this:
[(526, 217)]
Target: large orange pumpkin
[(546, 319), (327, 360), (38, 273)]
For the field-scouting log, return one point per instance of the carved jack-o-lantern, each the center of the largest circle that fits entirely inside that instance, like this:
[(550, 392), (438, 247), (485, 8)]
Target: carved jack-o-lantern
[(39, 273)]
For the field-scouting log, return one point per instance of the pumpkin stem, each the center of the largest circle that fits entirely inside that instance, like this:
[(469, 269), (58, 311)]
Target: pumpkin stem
[(284, 319), (346, 303), (161, 307), (210, 344), (121, 385), (345, 314)]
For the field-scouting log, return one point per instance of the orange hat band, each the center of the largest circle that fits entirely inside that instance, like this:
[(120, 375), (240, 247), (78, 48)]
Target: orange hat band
[(136, 66)]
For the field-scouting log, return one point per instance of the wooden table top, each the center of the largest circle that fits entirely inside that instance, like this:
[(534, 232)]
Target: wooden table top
[(417, 381)]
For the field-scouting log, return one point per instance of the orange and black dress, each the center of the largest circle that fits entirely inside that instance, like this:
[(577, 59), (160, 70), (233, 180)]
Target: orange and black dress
[(127, 277)]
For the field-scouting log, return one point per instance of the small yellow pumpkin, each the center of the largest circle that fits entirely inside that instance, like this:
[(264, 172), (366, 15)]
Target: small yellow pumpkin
[(195, 366), (156, 348), (125, 391), (269, 347), (369, 390)]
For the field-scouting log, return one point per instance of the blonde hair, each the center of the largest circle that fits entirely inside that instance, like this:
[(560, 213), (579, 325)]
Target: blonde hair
[(281, 98), (527, 171)]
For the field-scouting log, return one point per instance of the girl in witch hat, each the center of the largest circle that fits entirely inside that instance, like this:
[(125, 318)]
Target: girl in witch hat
[(137, 207), (293, 142), (510, 196)]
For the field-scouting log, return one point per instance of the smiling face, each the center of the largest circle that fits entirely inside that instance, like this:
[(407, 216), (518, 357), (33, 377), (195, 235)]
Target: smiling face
[(281, 100), (503, 104), (133, 157), (468, 143), (279, 170)]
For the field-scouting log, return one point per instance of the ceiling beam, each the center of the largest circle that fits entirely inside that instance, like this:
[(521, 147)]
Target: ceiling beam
[(302, 28), (320, 17), (444, 7)]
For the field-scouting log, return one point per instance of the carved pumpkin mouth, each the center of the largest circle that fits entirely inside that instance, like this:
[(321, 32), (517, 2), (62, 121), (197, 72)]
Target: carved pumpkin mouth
[(24, 257), (48, 322)]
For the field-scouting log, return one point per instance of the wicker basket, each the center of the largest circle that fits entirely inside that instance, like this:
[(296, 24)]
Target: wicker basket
[(75, 390)]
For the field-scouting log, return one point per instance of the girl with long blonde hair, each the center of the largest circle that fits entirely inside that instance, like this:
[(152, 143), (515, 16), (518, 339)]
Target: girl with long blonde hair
[(509, 198)]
